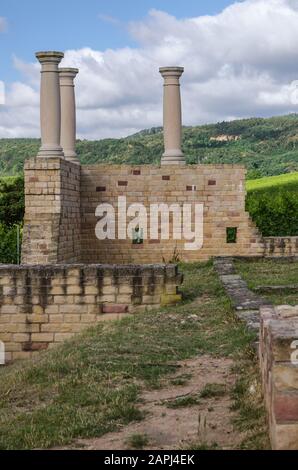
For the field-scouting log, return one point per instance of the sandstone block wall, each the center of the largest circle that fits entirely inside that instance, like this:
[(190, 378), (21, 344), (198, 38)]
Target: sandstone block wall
[(52, 225), (40, 306), (221, 188), (280, 246), (279, 367)]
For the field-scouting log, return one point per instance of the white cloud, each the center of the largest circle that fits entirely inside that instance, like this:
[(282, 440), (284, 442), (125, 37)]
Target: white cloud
[(3, 24), (238, 63)]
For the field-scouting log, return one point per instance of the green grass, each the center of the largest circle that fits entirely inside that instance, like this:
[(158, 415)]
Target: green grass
[(273, 204), (183, 402), (248, 404), (91, 384), (213, 390), (210, 390), (266, 272), (137, 441), (290, 180), (181, 379)]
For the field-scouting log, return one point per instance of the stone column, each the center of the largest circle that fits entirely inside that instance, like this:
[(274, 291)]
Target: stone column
[(50, 112), (172, 122), (68, 113)]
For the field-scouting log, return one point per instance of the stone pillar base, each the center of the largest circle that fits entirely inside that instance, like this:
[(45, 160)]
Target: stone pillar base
[(174, 157), (50, 153)]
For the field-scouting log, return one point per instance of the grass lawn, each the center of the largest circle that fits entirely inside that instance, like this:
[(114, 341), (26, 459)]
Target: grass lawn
[(91, 384), (289, 180), (277, 272)]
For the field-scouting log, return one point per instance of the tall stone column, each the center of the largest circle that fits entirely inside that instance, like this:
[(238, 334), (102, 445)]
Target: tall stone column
[(50, 112), (172, 121), (68, 113)]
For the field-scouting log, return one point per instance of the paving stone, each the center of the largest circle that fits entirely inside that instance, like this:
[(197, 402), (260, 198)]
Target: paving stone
[(242, 298)]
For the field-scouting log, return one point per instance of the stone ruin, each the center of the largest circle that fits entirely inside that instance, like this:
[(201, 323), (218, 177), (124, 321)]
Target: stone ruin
[(61, 196), (70, 278)]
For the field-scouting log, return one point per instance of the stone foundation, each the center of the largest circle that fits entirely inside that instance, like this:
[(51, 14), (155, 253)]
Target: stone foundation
[(41, 306), (279, 367)]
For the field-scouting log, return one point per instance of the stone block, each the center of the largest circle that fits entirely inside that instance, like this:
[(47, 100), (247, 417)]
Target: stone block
[(114, 308), (42, 337), (285, 376), (170, 299), (285, 407), (284, 436)]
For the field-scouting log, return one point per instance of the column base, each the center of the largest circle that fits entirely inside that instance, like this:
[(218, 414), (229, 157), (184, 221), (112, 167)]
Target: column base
[(173, 157), (50, 152)]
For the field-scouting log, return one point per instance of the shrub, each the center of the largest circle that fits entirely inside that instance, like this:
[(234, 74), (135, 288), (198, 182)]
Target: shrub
[(11, 200), (274, 210), (9, 253)]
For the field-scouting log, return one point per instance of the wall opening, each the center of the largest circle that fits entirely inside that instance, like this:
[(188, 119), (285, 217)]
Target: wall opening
[(137, 236), (231, 233)]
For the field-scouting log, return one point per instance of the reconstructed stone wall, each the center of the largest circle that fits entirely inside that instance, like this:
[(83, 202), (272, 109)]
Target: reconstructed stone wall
[(280, 246), (279, 366), (41, 306), (62, 197), (52, 217), (221, 188)]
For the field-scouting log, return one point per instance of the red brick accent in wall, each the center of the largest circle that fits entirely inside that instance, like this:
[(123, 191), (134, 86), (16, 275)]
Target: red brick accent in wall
[(114, 308), (136, 172), (286, 407), (166, 178)]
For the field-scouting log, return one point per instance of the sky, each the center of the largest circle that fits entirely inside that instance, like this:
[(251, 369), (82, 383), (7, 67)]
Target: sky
[(240, 60)]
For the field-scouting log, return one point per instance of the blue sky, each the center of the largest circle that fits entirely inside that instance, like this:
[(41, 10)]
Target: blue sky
[(73, 24), (240, 60)]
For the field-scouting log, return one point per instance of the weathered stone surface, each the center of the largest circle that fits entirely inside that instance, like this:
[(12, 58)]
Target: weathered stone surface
[(284, 436), (56, 301), (276, 289), (279, 368), (280, 247), (245, 302)]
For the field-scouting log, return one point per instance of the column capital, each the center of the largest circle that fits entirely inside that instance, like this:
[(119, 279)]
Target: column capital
[(52, 57), (171, 72), (68, 72), (67, 76)]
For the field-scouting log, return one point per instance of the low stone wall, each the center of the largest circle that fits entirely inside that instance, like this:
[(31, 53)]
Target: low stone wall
[(45, 304), (279, 367), (280, 246)]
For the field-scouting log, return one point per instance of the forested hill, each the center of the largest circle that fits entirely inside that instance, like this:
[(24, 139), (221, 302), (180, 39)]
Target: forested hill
[(266, 146)]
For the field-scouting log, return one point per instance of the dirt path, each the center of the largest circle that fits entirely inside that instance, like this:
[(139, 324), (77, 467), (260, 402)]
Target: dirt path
[(201, 421)]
